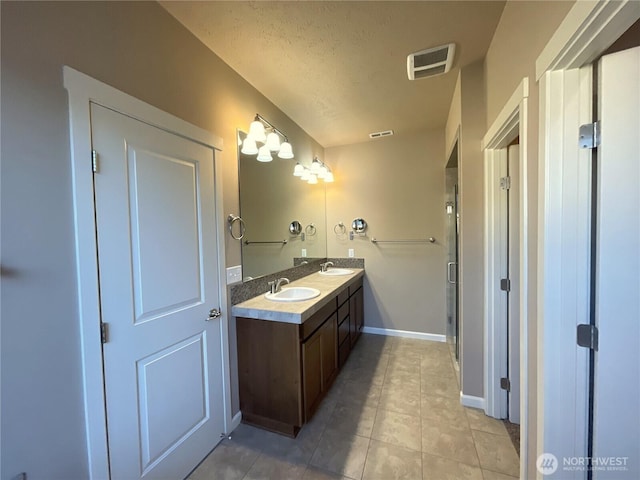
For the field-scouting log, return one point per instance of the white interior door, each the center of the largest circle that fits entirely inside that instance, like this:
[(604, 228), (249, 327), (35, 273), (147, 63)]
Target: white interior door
[(157, 249), (617, 361), (513, 315)]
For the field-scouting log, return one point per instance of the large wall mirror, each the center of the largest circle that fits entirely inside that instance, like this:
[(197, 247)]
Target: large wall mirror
[(272, 200)]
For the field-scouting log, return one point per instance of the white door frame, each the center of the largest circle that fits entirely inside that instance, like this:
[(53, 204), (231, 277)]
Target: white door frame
[(82, 90), (564, 220), (510, 123)]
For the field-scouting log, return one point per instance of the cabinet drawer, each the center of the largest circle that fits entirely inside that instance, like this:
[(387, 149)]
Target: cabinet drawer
[(343, 296), (355, 286), (311, 324), (343, 330), (343, 312)]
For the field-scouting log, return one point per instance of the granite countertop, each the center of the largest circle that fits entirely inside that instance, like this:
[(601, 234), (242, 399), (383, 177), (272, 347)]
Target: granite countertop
[(296, 312)]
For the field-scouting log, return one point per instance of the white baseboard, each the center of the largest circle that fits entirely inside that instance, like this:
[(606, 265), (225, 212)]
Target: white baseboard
[(235, 422), (471, 401), (404, 333)]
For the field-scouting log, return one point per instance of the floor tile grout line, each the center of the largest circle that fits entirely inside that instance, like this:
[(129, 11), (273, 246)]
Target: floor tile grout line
[(478, 466)]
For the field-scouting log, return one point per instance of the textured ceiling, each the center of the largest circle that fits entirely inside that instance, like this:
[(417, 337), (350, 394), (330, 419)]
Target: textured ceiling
[(338, 69)]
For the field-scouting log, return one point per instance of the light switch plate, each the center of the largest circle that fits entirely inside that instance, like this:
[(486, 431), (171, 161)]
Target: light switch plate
[(304, 252), (234, 274), (352, 253)]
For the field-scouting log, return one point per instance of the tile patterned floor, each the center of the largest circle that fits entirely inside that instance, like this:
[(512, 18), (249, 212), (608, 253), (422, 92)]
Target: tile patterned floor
[(392, 413)]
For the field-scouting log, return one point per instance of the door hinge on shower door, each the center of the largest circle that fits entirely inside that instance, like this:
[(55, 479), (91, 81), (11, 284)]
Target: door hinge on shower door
[(505, 284), (505, 183)]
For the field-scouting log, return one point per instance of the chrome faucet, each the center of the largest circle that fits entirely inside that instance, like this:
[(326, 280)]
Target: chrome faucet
[(276, 284), (325, 266)]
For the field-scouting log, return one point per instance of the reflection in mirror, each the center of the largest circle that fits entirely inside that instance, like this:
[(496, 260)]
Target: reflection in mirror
[(295, 228), (270, 197)]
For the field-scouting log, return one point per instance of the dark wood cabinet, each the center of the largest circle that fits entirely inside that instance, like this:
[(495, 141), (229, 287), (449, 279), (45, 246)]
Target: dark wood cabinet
[(286, 369), (319, 364), (270, 383), (356, 315)]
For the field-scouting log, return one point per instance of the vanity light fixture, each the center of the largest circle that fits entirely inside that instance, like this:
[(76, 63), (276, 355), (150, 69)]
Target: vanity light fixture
[(264, 154), (317, 170), (316, 165), (249, 146), (328, 178), (256, 130), (271, 141), (298, 170)]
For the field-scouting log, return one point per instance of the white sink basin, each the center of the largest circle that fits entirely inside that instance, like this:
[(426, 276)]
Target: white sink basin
[(293, 294), (332, 272)]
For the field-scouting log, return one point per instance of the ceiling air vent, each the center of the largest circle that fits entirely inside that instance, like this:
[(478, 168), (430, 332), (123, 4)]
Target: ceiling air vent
[(430, 62), (386, 133)]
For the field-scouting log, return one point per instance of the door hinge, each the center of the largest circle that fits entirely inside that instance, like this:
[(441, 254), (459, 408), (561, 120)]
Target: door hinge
[(505, 284), (505, 183), (104, 332), (94, 161), (505, 384), (588, 336), (589, 134)]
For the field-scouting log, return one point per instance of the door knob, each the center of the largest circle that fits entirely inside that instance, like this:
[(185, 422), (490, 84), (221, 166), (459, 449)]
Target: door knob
[(213, 314)]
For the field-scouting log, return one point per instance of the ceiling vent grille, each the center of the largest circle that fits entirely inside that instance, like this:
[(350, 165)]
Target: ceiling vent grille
[(386, 133), (430, 62)]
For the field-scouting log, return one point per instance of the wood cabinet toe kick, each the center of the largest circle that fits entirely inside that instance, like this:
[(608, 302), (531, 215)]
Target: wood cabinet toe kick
[(286, 369)]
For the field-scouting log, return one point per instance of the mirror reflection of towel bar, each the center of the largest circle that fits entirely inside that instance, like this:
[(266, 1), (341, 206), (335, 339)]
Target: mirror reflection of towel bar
[(282, 242), (427, 240)]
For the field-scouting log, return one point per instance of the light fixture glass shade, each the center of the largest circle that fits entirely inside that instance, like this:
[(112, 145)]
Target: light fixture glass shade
[(323, 171), (315, 165), (298, 170), (256, 130), (264, 155), (273, 142), (328, 178), (249, 146), (286, 152), (305, 174), (313, 179)]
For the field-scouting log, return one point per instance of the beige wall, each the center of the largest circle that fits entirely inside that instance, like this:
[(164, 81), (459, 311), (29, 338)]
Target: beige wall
[(470, 116), (397, 185), (140, 49), (523, 31), (454, 119)]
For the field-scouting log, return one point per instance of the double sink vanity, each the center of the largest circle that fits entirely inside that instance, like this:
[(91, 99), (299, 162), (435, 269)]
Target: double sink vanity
[(292, 344)]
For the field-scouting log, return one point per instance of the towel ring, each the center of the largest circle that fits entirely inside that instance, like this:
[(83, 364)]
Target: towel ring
[(310, 230), (231, 219), (339, 229)]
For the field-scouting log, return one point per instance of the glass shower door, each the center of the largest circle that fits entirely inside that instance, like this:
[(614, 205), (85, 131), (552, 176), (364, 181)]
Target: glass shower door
[(453, 221)]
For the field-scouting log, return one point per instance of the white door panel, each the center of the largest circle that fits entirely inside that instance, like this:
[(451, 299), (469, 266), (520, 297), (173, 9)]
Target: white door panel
[(165, 233), (617, 361), (155, 212)]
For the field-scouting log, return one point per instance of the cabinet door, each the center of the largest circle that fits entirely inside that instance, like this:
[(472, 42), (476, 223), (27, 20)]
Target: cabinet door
[(328, 339), (312, 373), (356, 315)]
